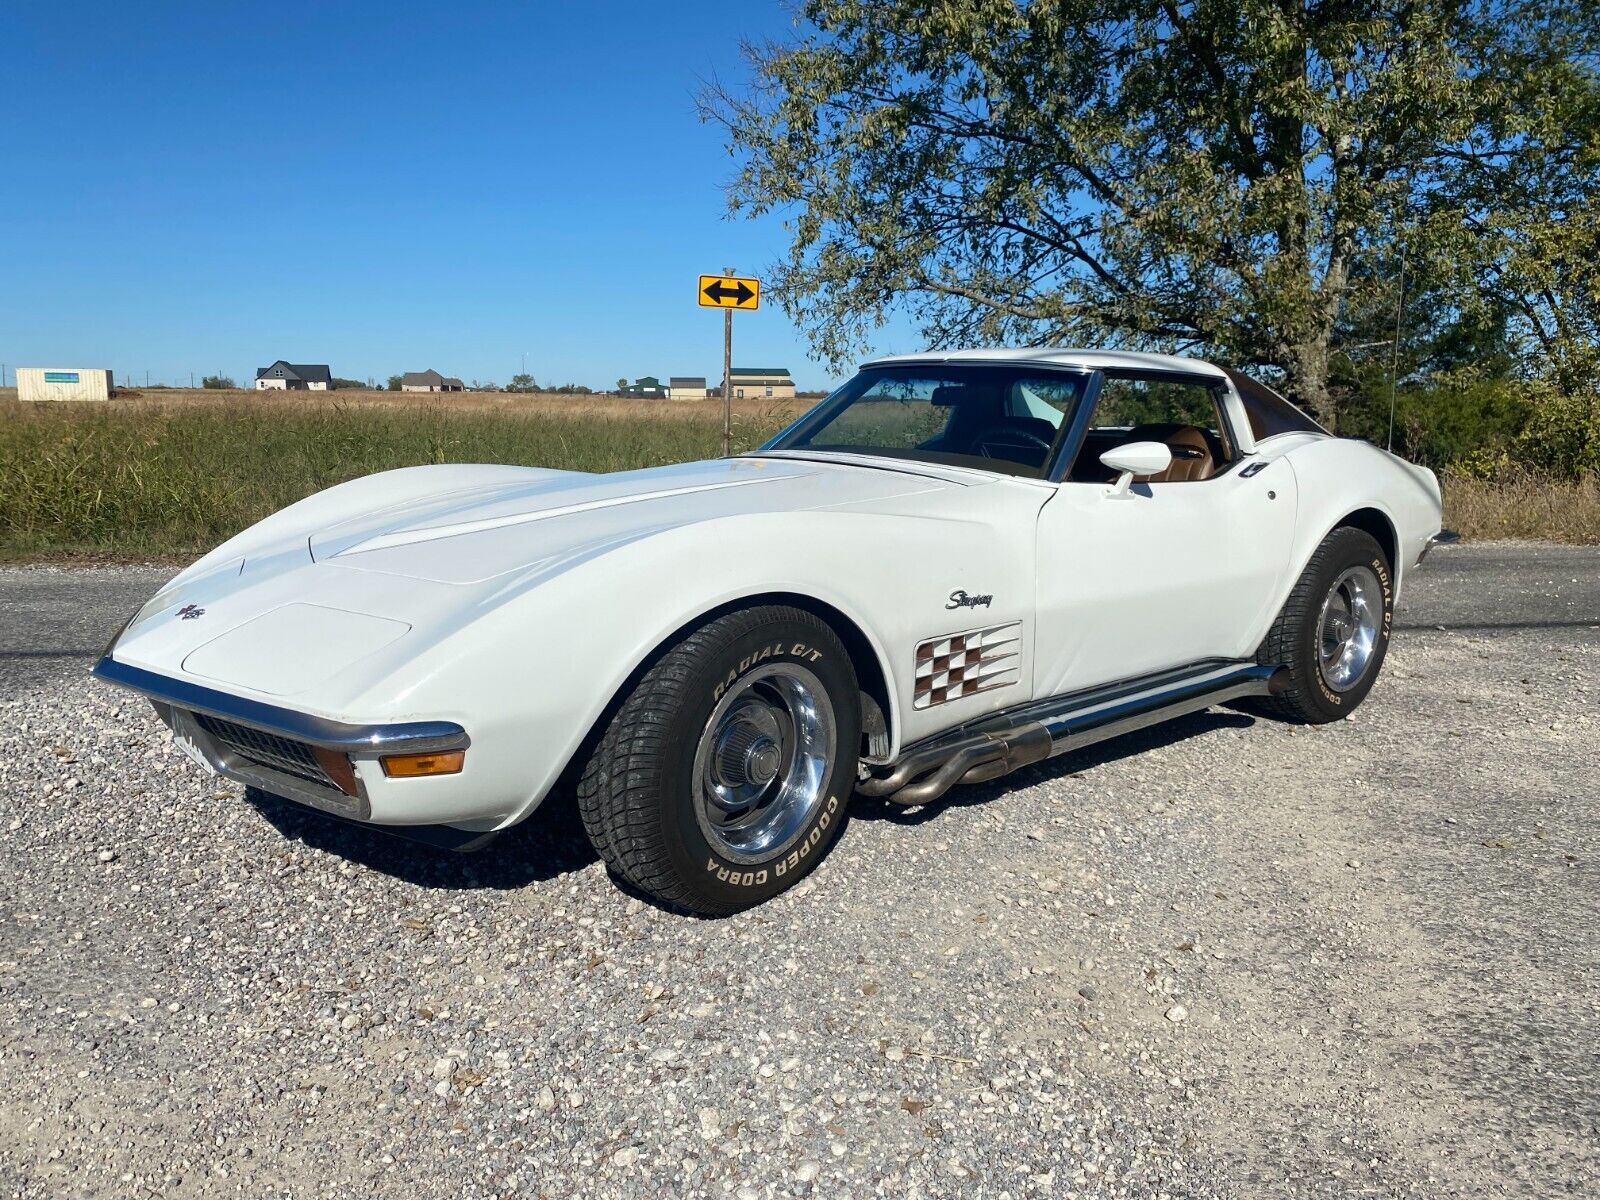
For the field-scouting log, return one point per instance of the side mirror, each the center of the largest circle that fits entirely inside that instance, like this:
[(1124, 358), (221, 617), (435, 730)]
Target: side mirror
[(1135, 458)]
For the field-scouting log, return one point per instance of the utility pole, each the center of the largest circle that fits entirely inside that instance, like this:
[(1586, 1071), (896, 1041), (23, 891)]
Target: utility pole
[(191, 381), (727, 376)]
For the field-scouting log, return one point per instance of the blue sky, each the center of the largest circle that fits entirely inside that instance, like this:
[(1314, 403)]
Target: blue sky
[(379, 186)]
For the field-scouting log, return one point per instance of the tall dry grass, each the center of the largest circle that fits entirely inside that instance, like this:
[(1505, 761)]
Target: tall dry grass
[(169, 474), (169, 477), (1523, 507)]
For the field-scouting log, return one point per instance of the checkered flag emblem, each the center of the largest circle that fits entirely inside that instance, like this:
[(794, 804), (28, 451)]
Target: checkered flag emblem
[(964, 664)]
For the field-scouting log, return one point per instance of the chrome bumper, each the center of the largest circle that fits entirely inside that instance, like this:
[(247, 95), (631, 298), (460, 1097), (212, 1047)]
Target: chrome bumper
[(259, 744)]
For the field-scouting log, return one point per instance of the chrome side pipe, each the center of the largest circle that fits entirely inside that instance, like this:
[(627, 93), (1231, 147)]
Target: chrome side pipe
[(1039, 730)]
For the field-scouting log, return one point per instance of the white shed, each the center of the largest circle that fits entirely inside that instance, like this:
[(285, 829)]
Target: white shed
[(63, 383)]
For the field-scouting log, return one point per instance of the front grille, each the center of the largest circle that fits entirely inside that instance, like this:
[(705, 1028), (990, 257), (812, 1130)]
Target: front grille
[(268, 750)]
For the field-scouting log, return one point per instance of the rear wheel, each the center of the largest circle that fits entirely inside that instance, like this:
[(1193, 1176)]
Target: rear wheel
[(1333, 631), (723, 776)]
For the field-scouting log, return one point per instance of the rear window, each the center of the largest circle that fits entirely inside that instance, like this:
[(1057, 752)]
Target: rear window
[(1268, 412)]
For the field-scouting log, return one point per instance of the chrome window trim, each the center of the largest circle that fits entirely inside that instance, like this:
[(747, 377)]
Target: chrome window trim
[(1071, 444), (415, 737)]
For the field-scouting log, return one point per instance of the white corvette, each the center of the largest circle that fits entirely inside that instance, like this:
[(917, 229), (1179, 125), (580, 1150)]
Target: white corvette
[(957, 564)]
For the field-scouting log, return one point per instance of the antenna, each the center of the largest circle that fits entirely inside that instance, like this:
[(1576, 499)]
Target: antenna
[(1394, 349)]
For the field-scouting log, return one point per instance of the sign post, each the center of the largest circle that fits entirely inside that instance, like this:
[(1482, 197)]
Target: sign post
[(728, 292), (727, 382)]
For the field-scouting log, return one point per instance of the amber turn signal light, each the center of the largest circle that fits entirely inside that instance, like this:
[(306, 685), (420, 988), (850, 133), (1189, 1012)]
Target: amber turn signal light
[(410, 766)]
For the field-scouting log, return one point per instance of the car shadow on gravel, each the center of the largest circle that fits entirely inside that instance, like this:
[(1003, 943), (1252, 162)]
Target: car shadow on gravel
[(552, 843), (547, 845), (1129, 745)]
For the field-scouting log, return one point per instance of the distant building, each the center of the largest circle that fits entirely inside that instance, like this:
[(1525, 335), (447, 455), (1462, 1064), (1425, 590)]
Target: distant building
[(761, 383), (646, 387), (63, 383), (430, 381), (297, 377), (686, 387)]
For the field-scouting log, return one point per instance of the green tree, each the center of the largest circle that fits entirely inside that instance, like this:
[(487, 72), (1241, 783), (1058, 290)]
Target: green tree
[(1216, 174), (1531, 202), (218, 383), (394, 383), (522, 383)]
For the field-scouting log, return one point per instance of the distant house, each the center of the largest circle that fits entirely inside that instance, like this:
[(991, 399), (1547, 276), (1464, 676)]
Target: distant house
[(761, 383), (646, 387), (295, 376), (430, 381), (686, 387)]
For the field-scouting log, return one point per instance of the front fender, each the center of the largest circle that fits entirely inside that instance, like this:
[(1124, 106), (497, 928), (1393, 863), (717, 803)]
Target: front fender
[(532, 675)]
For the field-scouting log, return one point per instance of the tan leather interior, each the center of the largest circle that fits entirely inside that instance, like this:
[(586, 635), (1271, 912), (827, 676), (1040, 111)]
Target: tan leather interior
[(1193, 455)]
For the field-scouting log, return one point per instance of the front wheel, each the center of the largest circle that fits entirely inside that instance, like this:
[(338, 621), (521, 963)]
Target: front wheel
[(1333, 631), (722, 777)]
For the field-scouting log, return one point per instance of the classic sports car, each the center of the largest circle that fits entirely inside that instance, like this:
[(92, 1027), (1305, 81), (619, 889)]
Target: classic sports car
[(955, 565)]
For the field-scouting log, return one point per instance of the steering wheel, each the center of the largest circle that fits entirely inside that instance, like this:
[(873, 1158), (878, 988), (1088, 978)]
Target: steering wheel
[(1004, 435)]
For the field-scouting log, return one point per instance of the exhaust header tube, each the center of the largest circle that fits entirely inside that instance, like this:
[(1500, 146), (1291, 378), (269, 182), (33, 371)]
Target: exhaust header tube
[(1043, 729)]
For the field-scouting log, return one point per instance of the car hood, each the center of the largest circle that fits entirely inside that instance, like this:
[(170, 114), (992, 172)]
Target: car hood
[(326, 597), (467, 535)]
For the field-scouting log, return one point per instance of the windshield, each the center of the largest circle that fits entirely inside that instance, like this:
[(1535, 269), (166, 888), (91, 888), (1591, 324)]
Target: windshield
[(992, 417)]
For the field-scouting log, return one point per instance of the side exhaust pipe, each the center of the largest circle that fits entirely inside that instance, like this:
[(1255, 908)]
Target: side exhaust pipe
[(1043, 729)]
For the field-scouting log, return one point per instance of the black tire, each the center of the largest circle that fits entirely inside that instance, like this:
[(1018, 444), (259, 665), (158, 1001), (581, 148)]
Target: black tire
[(637, 793), (1295, 638)]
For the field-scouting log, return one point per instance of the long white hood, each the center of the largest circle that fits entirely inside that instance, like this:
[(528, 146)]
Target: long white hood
[(469, 535), (379, 568)]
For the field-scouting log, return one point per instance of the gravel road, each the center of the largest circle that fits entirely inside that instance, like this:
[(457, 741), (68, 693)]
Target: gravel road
[(1224, 957)]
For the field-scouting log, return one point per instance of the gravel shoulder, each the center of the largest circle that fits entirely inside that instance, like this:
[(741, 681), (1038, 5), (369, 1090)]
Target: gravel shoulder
[(1224, 957)]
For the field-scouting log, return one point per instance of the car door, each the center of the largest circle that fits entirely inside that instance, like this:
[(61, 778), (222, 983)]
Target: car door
[(1180, 568)]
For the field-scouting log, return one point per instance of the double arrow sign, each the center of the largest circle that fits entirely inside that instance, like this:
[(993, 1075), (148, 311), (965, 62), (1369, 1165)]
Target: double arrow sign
[(724, 291)]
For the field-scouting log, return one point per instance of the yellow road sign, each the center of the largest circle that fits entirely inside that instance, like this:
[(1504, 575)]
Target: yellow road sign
[(727, 291)]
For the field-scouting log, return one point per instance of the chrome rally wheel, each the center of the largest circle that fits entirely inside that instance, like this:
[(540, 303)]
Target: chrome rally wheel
[(1347, 634), (762, 762), (723, 775)]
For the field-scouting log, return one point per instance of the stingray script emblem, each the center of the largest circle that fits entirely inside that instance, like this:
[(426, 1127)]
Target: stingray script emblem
[(961, 599)]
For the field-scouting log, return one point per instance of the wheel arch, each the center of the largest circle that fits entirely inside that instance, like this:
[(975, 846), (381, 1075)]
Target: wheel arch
[(866, 657), (1376, 523)]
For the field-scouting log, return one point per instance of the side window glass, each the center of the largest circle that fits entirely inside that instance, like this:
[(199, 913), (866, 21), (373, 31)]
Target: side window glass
[(1182, 414), (1129, 403)]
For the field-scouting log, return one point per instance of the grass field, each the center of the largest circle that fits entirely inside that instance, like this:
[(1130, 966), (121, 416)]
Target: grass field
[(172, 473), (169, 474), (1523, 508)]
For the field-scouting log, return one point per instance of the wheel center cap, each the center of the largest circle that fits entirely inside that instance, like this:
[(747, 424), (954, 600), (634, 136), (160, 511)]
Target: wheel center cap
[(761, 762)]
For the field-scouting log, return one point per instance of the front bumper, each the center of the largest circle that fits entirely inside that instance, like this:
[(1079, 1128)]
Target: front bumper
[(275, 749)]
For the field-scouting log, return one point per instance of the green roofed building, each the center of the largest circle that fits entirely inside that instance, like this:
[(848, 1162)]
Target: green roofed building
[(646, 387), (761, 383)]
